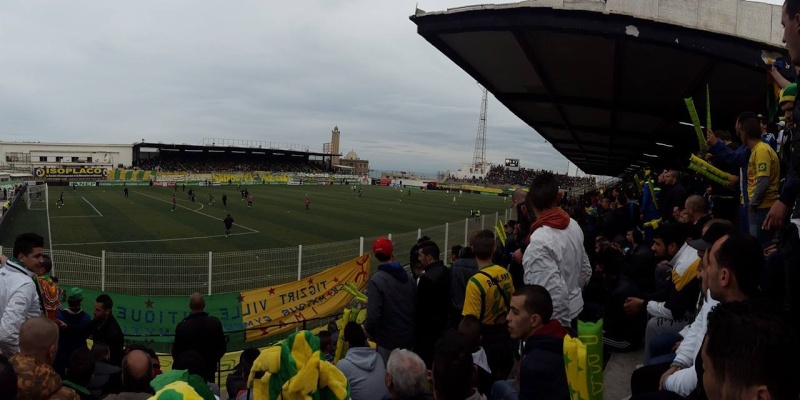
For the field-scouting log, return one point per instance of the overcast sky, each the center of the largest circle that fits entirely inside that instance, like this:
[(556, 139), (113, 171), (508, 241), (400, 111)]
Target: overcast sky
[(281, 71)]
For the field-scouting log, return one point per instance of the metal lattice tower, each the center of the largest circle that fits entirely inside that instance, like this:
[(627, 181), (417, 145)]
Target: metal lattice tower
[(479, 159)]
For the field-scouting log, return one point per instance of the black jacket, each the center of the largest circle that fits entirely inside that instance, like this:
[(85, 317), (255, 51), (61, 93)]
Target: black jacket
[(202, 333), (618, 325), (542, 375), (109, 332), (671, 197), (642, 270), (432, 311)]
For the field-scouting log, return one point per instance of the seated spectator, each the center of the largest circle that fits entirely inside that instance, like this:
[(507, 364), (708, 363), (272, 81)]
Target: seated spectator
[(622, 332), (541, 373), (673, 307), (79, 373), (236, 383), (137, 372), (362, 365), (246, 360), (406, 376), (453, 369), (8, 378), (36, 378), (757, 370), (470, 327), (150, 352), (107, 378), (697, 212)]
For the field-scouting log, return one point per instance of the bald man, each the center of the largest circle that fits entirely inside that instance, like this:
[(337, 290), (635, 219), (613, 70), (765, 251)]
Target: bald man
[(137, 372), (36, 378), (202, 333), (697, 211)]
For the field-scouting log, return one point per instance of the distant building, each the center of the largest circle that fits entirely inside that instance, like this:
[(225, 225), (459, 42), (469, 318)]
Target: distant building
[(351, 160)]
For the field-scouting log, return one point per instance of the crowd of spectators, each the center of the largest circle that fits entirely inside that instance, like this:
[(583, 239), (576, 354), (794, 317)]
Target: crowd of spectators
[(500, 175), (221, 162)]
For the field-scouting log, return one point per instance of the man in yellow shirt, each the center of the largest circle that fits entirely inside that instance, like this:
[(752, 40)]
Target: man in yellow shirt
[(487, 298), (763, 175)]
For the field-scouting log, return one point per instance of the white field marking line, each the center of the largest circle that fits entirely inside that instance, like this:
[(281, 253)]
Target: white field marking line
[(201, 213), (77, 216), (155, 240), (92, 205)]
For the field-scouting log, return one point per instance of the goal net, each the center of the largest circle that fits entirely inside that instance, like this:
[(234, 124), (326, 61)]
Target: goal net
[(36, 197)]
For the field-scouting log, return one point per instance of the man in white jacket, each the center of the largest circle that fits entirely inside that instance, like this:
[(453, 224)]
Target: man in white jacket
[(19, 294), (730, 272), (555, 257)]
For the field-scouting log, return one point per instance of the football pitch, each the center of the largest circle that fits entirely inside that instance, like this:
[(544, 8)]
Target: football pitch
[(94, 219)]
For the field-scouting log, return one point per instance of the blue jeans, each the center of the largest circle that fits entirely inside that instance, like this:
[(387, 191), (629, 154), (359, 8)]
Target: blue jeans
[(503, 390), (755, 219), (661, 348)]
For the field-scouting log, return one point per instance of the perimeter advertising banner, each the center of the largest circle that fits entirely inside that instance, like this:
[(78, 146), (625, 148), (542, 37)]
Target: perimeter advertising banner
[(69, 173), (273, 309)]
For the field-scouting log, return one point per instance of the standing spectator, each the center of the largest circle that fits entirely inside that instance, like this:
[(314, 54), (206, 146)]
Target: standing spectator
[(104, 328), (432, 312), (362, 365), (453, 369), (79, 373), (75, 332), (236, 384), (36, 378), (49, 292), (464, 267), (556, 257), (390, 310), (541, 373), (202, 333), (487, 298), (413, 261), (137, 372), (673, 196), (763, 176), (19, 298), (406, 376)]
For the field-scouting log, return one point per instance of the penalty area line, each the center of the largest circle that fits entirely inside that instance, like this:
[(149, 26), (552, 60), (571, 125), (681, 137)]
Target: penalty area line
[(195, 211), (153, 240), (92, 205)]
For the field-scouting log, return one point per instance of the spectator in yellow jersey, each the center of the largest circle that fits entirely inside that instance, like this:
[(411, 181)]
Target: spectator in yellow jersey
[(487, 298), (763, 175)]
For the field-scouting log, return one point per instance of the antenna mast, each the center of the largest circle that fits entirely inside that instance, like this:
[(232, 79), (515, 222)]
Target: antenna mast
[(479, 159)]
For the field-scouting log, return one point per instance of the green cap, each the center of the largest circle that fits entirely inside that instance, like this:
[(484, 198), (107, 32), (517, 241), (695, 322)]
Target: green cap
[(75, 294)]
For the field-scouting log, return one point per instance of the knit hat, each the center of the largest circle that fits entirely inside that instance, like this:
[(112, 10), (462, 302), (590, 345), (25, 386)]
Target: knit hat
[(164, 382), (789, 93), (74, 294)]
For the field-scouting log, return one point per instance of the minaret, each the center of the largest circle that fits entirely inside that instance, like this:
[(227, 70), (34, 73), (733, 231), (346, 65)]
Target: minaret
[(335, 145)]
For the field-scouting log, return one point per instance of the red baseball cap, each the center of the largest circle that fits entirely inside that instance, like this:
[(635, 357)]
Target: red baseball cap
[(382, 245)]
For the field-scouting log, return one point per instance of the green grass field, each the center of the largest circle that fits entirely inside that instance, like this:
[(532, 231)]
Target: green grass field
[(101, 218)]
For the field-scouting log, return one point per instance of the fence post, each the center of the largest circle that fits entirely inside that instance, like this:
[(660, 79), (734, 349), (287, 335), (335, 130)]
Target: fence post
[(497, 217), (299, 261), (361, 247), (103, 271), (483, 221), (209, 273), (419, 233), (389, 237), (466, 230), (446, 234)]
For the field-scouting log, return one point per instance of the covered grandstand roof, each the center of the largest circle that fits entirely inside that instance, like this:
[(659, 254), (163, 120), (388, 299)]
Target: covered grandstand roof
[(604, 81)]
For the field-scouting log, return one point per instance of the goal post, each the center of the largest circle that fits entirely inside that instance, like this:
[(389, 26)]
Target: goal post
[(37, 197)]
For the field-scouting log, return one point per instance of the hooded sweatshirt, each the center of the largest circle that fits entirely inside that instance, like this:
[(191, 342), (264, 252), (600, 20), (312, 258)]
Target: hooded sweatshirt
[(390, 310), (364, 369)]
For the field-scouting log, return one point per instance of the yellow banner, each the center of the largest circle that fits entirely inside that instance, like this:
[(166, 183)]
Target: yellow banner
[(275, 309)]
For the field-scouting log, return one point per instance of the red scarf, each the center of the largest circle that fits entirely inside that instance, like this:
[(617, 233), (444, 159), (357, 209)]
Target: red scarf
[(555, 218)]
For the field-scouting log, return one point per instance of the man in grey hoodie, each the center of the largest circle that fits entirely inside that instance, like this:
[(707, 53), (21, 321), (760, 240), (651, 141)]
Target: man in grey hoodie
[(390, 310), (362, 365)]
